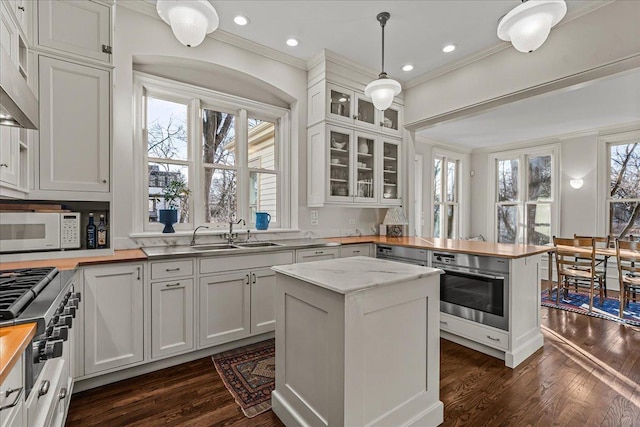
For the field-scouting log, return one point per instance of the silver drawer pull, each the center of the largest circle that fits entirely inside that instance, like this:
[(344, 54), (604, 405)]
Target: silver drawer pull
[(173, 269), (17, 399), (319, 252), (44, 388), (442, 322), (492, 338), (171, 285), (356, 252), (63, 393)]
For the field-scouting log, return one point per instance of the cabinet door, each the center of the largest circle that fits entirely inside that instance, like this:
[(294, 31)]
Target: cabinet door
[(171, 317), (263, 289), (74, 126), (340, 103), (113, 313), (8, 34), (340, 146), (355, 250), (366, 179), (391, 122), (366, 114), (306, 255), (9, 155), (391, 172), (224, 308), (78, 27)]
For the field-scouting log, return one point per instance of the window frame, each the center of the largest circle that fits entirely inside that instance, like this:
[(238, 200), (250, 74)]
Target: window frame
[(198, 98), (604, 175), (445, 159), (522, 155)]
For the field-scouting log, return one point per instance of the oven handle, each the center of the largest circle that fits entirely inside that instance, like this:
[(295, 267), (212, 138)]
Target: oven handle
[(484, 276), (404, 260)]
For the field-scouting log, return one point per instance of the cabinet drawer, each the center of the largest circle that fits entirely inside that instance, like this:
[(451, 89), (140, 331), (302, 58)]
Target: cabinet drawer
[(243, 262), (317, 254), (170, 269), (474, 331), (355, 250), (14, 381)]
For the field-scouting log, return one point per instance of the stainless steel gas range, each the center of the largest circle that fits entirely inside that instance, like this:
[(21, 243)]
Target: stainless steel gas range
[(44, 296)]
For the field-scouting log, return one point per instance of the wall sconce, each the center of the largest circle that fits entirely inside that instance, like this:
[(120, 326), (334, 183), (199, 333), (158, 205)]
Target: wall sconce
[(576, 183)]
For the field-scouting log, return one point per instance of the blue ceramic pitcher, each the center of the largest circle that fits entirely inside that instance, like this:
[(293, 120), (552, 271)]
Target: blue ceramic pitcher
[(262, 220)]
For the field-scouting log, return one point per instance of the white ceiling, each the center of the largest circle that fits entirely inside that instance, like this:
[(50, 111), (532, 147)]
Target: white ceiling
[(415, 34), (607, 102)]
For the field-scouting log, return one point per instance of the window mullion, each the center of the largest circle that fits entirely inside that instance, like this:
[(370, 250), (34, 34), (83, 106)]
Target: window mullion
[(242, 142), (195, 157)]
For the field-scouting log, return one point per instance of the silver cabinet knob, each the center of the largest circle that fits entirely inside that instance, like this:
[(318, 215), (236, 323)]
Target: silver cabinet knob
[(104, 181)]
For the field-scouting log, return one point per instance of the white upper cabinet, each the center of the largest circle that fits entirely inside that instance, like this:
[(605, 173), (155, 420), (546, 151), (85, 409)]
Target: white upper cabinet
[(81, 28), (75, 124)]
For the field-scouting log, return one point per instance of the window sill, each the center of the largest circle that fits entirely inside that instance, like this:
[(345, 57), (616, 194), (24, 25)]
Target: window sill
[(204, 232)]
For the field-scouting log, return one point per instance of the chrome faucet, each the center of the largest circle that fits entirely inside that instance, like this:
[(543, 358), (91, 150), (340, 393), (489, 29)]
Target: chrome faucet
[(193, 238), (231, 236)]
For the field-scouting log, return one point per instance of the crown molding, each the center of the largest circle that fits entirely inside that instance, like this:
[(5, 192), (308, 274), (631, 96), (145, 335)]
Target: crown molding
[(149, 9), (462, 62)]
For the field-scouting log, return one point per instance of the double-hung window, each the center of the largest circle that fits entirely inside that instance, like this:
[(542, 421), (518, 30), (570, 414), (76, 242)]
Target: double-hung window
[(623, 189), (230, 152), (525, 208), (445, 197)]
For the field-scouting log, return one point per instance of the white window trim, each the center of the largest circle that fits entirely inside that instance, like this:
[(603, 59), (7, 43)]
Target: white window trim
[(521, 154), (461, 187), (602, 214), (199, 97)]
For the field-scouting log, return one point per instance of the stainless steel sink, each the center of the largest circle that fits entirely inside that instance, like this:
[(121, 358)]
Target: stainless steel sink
[(213, 247), (258, 244)]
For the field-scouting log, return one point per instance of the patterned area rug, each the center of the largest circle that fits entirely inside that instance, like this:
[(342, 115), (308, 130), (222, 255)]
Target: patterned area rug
[(579, 303), (249, 373)]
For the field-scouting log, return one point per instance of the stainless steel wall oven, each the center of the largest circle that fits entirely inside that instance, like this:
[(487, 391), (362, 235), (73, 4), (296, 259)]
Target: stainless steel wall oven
[(474, 287)]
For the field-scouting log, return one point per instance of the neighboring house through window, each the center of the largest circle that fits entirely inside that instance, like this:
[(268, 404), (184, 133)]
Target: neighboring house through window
[(446, 209)]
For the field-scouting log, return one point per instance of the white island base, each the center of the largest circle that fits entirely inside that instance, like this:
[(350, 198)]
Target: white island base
[(357, 344)]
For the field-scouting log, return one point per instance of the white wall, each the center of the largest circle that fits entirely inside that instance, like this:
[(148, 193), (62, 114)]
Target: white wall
[(150, 43)]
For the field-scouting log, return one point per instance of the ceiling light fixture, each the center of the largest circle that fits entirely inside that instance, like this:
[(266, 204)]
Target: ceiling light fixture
[(407, 67), (292, 42), (383, 90), (527, 26), (576, 183), (240, 20), (190, 20), (449, 48)]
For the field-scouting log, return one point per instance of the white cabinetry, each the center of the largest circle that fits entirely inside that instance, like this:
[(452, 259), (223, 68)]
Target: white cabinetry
[(80, 28), (74, 127), (360, 249), (113, 310), (316, 254), (171, 317), (12, 396), (237, 301)]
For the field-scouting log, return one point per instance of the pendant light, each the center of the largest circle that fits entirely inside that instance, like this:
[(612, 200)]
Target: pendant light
[(383, 90), (527, 26), (190, 20)]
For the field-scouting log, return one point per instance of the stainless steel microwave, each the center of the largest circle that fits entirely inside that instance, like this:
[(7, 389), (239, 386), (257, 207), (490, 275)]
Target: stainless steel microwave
[(38, 231)]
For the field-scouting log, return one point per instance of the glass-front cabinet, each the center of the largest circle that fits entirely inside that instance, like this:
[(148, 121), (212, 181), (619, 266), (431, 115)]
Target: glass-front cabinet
[(351, 107), (340, 170), (391, 167), (366, 168)]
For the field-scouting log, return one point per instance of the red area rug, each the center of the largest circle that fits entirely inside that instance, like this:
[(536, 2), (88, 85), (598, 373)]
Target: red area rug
[(249, 373)]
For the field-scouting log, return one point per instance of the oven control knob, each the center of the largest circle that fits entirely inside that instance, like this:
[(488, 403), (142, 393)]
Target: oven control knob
[(73, 302), (76, 295), (69, 311), (438, 258), (64, 320), (37, 348), (52, 349), (60, 333)]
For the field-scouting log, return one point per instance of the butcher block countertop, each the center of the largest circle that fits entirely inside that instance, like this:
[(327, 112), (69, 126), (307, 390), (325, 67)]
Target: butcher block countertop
[(71, 263), (500, 250), (13, 341)]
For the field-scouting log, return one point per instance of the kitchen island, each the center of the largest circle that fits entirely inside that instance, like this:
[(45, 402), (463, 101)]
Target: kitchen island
[(357, 343)]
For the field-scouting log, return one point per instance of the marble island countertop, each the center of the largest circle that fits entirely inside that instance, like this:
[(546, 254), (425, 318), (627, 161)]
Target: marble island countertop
[(347, 275)]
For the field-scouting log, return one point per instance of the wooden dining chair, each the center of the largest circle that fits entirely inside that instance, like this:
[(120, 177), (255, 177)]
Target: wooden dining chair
[(576, 264), (601, 260), (628, 257)]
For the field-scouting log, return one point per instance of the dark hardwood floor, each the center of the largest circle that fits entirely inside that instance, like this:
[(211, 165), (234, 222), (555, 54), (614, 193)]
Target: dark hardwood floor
[(587, 374)]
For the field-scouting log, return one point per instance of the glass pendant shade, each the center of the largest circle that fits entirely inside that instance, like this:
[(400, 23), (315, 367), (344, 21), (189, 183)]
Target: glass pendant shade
[(190, 20), (382, 92), (528, 25)]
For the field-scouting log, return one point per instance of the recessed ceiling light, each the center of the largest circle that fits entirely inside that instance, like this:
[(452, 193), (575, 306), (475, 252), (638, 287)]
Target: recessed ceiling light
[(407, 67), (241, 20), (449, 48), (292, 42)]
